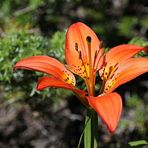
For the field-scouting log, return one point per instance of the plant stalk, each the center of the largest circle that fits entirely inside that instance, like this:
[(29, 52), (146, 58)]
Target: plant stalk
[(91, 130)]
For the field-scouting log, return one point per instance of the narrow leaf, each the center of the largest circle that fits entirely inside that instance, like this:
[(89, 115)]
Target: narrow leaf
[(138, 143)]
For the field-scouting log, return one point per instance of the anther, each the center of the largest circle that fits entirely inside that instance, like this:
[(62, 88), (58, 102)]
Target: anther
[(88, 39), (80, 55), (101, 45), (96, 53), (76, 46)]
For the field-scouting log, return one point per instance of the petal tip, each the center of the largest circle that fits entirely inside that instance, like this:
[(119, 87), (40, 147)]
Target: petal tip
[(109, 107), (112, 129)]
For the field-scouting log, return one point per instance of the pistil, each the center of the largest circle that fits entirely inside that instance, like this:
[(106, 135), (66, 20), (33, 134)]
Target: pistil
[(91, 72)]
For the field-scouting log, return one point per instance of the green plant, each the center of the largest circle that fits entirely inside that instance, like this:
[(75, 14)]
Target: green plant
[(20, 43)]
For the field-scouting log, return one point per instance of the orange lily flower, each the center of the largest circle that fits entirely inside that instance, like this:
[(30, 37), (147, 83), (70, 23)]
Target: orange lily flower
[(84, 57)]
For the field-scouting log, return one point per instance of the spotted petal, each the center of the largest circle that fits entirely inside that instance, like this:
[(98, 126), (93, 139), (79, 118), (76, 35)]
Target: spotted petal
[(79, 56), (46, 81), (109, 107), (117, 55), (47, 65), (122, 53), (129, 70)]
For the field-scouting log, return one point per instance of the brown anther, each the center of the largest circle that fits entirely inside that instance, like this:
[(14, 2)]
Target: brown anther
[(80, 55), (76, 46), (96, 53), (101, 45), (88, 39)]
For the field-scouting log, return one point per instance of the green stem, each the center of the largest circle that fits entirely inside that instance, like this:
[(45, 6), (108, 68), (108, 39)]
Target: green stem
[(91, 130)]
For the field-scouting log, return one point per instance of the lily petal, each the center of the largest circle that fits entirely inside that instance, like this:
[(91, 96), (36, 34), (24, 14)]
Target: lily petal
[(77, 49), (122, 53), (46, 81), (109, 107), (129, 70), (47, 65), (117, 55)]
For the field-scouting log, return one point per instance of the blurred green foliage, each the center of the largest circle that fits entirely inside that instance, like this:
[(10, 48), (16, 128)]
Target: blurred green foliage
[(141, 42), (114, 21), (19, 11), (135, 113), (37, 27), (17, 44)]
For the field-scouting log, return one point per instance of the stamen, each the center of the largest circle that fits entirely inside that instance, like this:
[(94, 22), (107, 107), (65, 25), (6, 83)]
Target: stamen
[(98, 56), (83, 69), (112, 73), (88, 39), (80, 55), (101, 45), (96, 53), (76, 46)]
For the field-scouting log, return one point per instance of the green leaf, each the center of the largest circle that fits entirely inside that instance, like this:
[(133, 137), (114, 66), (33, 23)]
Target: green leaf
[(135, 144), (138, 143), (138, 41), (82, 134)]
